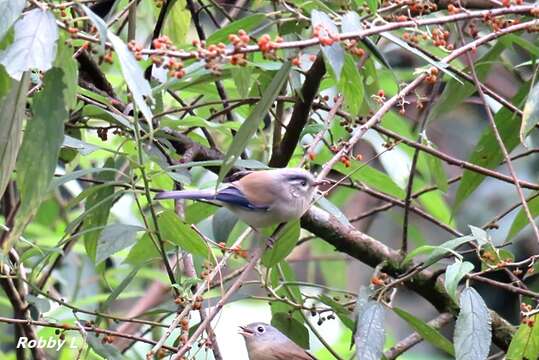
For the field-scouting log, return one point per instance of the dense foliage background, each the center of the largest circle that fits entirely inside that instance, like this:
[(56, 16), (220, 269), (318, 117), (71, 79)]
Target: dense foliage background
[(423, 115)]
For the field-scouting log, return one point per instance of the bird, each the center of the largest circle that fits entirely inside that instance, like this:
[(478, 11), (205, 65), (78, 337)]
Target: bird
[(264, 342), (260, 198)]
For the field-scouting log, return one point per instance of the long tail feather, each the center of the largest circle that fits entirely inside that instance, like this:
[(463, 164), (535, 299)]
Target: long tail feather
[(186, 194)]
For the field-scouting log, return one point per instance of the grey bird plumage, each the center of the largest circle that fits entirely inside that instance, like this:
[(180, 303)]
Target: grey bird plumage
[(264, 342), (260, 198)]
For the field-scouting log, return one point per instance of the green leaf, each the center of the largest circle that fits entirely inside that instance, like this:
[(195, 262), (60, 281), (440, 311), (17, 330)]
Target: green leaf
[(472, 330), (525, 343), (39, 151), (455, 92), (177, 22), (242, 76), (481, 236), (333, 54), (10, 10), (250, 125), (34, 46), (101, 200), (366, 174), (119, 289), (453, 274), (107, 351), (426, 331), (174, 230), (114, 238), (521, 220), (223, 222), (437, 252), (437, 171), (369, 337), (283, 245), (292, 328), (66, 62), (487, 152), (530, 116), (351, 85), (131, 71), (198, 211), (143, 251), (80, 146), (247, 23), (134, 77), (12, 108)]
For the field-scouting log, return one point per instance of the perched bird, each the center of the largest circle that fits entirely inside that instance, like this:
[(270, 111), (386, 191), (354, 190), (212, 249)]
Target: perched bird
[(260, 198), (264, 342)]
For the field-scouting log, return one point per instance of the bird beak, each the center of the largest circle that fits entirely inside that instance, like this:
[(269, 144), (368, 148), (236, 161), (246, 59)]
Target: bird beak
[(246, 331), (321, 182)]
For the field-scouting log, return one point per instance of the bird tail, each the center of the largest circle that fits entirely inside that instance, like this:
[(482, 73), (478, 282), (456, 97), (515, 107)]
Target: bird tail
[(186, 194)]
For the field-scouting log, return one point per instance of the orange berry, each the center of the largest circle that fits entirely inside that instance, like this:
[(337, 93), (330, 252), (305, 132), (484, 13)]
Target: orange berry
[(296, 61)]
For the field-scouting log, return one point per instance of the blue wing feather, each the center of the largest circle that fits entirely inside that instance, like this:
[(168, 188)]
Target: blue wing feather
[(234, 196)]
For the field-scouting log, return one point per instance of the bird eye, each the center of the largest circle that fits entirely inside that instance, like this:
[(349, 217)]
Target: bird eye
[(260, 329), (303, 183)]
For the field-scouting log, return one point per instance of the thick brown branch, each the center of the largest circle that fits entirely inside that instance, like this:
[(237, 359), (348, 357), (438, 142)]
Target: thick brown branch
[(368, 250), (300, 114)]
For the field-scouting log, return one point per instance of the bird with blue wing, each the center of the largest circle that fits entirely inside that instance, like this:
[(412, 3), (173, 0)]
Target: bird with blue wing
[(260, 198)]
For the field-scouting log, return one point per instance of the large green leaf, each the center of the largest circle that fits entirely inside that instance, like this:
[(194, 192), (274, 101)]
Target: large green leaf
[(472, 330), (351, 85), (174, 230), (177, 22), (98, 205), (114, 238), (283, 245), (525, 343), (250, 125), (426, 331), (11, 120), (40, 148), (487, 152), (34, 46)]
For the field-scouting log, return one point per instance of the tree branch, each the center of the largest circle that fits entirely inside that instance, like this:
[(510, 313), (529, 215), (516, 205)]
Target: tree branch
[(300, 114)]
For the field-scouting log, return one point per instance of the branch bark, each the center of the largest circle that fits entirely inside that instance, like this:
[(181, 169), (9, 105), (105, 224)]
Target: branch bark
[(372, 252), (300, 114)]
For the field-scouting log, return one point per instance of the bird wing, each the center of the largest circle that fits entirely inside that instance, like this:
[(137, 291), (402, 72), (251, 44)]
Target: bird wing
[(285, 353), (233, 196)]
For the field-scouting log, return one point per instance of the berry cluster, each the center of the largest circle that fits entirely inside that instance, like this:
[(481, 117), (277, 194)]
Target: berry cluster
[(440, 38), (353, 48), (268, 46), (325, 37), (136, 49), (432, 76), (498, 23)]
